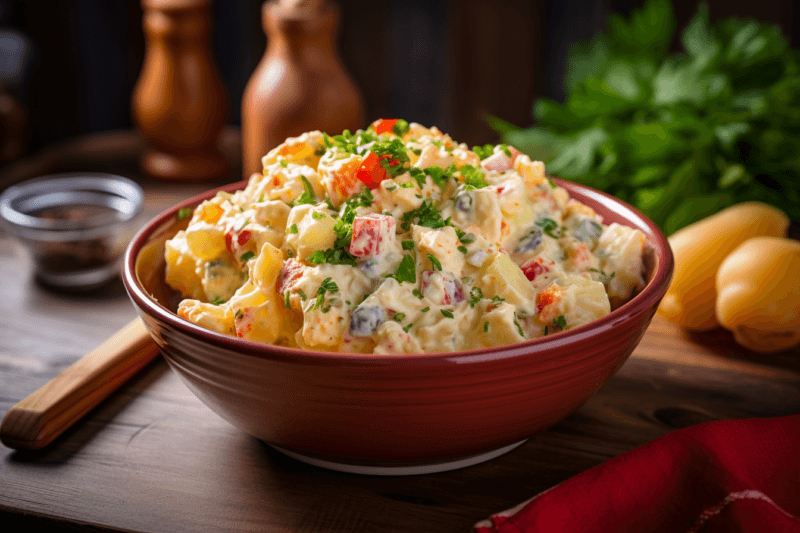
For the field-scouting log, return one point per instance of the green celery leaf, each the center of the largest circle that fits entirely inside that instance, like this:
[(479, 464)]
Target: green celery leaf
[(539, 143), (733, 175), (728, 134), (499, 125), (584, 60), (649, 175), (698, 39), (575, 160)]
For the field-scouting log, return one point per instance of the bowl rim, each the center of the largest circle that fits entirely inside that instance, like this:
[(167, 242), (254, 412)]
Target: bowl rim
[(101, 183), (652, 292)]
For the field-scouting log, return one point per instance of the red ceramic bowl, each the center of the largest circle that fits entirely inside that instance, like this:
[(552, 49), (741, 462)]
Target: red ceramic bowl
[(394, 414)]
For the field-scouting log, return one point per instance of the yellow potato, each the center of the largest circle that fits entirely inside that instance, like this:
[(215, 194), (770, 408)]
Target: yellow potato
[(758, 294), (700, 248)]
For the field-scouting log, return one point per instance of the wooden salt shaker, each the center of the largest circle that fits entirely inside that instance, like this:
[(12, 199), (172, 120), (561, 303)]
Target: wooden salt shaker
[(179, 103), (300, 84)]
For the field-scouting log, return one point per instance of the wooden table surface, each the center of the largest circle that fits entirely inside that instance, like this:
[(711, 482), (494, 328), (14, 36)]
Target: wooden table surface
[(153, 458)]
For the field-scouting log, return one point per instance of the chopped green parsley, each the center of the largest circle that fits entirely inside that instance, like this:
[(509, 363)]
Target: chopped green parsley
[(483, 151), (406, 271), (400, 127), (549, 226)]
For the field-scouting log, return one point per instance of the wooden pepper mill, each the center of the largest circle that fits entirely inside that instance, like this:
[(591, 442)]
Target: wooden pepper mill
[(300, 84), (179, 103)]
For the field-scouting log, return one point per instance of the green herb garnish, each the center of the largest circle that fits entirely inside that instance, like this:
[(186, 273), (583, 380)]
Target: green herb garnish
[(483, 151), (473, 177), (419, 176), (245, 257), (184, 213), (548, 226), (400, 127), (679, 135), (406, 271), (333, 256), (446, 313), (327, 286), (307, 197), (434, 262), (475, 296), (426, 215)]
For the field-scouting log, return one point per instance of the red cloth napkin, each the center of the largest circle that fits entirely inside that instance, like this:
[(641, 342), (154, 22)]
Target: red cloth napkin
[(728, 476)]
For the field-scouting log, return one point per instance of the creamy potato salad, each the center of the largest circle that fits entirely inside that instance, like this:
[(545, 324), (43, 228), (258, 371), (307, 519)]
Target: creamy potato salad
[(399, 240)]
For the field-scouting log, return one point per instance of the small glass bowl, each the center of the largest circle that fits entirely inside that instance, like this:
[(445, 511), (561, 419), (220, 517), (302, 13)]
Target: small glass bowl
[(75, 226)]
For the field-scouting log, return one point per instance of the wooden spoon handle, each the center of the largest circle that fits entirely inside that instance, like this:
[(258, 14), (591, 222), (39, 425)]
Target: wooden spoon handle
[(41, 417)]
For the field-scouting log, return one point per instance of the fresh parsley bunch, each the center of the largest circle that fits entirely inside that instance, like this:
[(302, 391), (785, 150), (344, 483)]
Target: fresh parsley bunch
[(679, 136)]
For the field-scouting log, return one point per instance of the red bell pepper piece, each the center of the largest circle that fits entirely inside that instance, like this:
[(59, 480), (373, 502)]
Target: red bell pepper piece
[(384, 125), (371, 172)]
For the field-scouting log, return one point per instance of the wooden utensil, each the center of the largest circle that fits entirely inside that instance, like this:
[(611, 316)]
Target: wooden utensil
[(41, 417)]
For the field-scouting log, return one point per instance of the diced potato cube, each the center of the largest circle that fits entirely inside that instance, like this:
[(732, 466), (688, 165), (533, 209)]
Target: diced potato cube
[(217, 318), (309, 229), (498, 326), (442, 244), (620, 249), (301, 150), (502, 277), (583, 300), (206, 241), (257, 315), (183, 268), (265, 269), (531, 171)]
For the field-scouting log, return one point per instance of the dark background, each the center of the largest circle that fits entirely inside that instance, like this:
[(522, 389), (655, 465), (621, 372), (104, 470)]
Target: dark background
[(436, 62)]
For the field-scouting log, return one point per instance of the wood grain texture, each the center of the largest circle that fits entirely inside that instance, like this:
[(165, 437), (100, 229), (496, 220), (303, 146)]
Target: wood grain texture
[(42, 416), (152, 457)]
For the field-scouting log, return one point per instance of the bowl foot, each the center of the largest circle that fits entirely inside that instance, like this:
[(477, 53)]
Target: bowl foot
[(399, 469)]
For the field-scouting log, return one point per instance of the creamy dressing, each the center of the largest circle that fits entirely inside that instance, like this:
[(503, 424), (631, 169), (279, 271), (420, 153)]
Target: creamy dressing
[(399, 240)]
